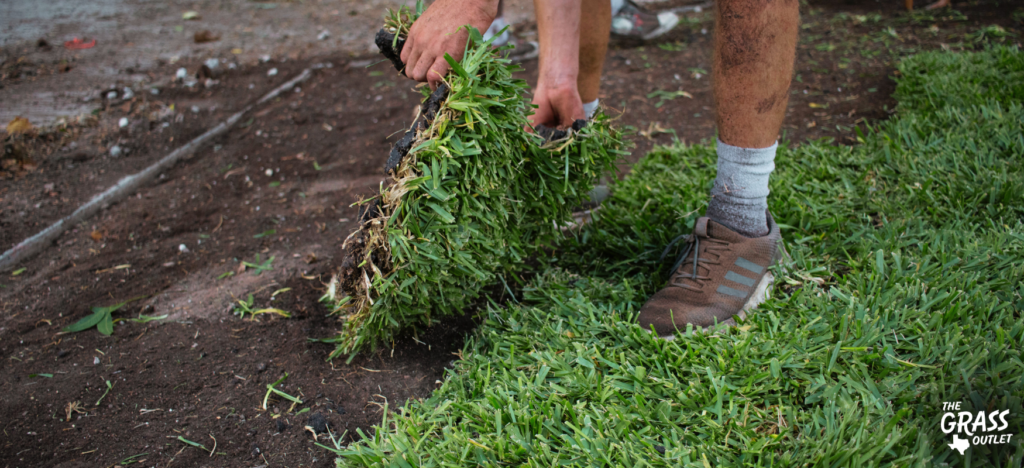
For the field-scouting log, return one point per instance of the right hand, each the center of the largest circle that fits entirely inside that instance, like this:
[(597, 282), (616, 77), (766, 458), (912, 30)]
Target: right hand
[(557, 106), (440, 30)]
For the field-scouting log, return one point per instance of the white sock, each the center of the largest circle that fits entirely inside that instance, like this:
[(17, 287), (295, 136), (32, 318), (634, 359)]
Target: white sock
[(589, 108), (617, 6), (739, 198), (496, 26)]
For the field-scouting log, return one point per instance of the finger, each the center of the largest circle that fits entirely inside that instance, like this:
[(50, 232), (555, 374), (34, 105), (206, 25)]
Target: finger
[(407, 48), (423, 65), (437, 72), (410, 65), (541, 115), (570, 112)]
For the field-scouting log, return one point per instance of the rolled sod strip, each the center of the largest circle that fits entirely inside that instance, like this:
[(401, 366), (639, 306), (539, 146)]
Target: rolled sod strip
[(472, 195), (128, 185)]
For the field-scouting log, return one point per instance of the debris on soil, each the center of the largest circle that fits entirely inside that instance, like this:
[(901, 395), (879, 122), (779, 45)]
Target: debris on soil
[(19, 126), (204, 36), (318, 423), (79, 44)]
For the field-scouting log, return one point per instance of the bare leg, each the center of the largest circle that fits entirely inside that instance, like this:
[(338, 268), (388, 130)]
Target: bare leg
[(755, 46), (595, 25)]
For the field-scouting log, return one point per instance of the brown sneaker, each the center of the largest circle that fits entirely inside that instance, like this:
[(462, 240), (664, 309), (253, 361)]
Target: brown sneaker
[(720, 275)]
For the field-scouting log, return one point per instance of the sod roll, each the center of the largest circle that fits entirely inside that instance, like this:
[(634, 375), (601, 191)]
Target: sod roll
[(471, 195)]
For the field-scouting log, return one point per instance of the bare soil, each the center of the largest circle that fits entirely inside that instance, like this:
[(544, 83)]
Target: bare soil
[(282, 185)]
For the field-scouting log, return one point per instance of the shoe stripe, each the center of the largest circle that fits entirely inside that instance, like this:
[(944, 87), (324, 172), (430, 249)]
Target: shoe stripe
[(738, 278), (723, 289), (749, 265)]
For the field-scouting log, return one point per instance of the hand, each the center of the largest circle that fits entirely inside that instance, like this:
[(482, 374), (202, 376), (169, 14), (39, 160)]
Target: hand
[(557, 107), (439, 31)]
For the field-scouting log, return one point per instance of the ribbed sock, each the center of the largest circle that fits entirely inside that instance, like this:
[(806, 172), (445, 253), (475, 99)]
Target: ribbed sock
[(589, 108), (739, 198)]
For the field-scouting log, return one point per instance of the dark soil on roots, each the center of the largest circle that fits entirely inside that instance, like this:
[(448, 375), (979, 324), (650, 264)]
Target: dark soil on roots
[(282, 185)]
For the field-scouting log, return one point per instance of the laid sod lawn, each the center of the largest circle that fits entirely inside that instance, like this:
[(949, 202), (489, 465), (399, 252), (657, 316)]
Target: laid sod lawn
[(904, 290)]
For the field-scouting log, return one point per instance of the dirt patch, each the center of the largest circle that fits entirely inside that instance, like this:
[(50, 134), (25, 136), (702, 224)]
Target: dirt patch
[(281, 185)]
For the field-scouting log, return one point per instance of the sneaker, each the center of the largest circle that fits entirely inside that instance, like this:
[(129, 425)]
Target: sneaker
[(720, 275), (634, 21)]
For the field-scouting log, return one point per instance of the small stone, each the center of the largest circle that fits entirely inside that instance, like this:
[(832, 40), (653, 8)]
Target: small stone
[(115, 151), (154, 91), (127, 93), (195, 109), (183, 248), (269, 172), (261, 367), (264, 58), (182, 73), (272, 72), (111, 95), (123, 122), (96, 361), (212, 63), (323, 35)]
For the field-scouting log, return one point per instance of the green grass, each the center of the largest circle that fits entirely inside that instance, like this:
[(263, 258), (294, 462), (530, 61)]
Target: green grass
[(904, 291)]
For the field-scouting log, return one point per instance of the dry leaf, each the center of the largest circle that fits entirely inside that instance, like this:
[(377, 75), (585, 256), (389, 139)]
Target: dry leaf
[(205, 36), (19, 125), (96, 236)]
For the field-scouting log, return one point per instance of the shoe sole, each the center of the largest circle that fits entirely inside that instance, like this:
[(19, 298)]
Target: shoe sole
[(761, 294)]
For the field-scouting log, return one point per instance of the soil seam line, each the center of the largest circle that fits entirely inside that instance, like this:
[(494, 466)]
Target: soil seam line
[(37, 243)]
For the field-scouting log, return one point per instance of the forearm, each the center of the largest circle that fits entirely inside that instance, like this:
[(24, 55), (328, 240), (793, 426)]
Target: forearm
[(558, 28)]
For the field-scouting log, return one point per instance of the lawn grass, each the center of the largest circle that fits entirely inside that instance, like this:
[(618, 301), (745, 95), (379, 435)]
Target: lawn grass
[(904, 291)]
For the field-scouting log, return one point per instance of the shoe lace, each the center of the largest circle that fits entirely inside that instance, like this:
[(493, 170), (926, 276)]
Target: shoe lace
[(693, 245)]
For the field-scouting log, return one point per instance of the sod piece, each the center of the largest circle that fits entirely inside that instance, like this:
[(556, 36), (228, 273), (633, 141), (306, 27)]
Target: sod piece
[(904, 292), (471, 196)]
